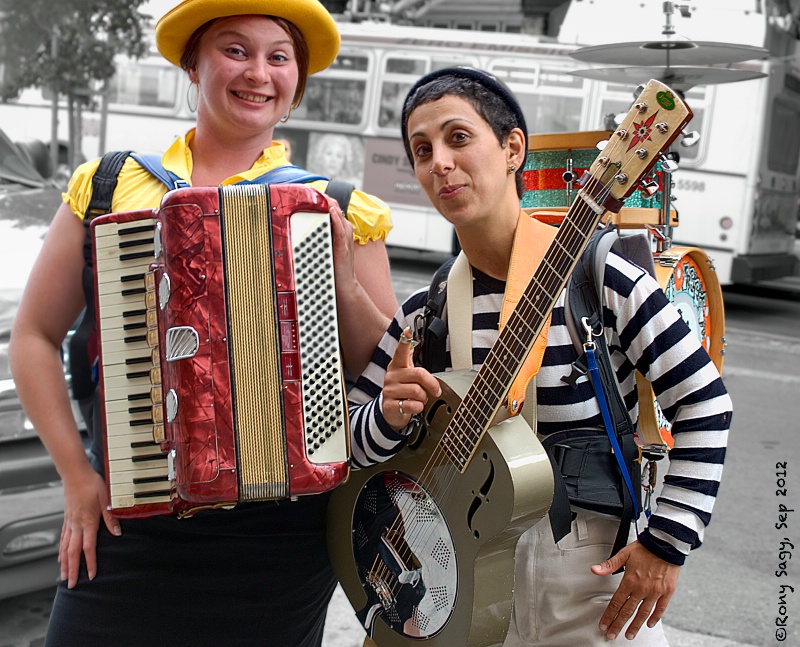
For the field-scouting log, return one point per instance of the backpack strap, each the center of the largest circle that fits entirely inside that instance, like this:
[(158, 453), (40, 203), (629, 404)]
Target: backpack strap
[(430, 325), (81, 360), (584, 300), (340, 191), (152, 163), (281, 175)]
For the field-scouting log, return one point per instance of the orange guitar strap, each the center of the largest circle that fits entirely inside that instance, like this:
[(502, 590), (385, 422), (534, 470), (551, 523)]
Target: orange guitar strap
[(531, 241)]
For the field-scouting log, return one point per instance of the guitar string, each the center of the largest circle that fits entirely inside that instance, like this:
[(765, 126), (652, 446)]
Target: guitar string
[(440, 455)]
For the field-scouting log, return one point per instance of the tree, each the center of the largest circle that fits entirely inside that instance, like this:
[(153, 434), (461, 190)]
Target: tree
[(67, 46)]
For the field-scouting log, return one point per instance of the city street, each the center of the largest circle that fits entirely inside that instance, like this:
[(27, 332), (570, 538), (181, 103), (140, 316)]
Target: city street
[(728, 593)]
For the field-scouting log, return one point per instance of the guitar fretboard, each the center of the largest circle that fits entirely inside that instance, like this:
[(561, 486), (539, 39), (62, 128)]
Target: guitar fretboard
[(505, 359)]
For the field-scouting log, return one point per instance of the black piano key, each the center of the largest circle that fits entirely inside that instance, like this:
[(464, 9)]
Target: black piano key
[(129, 231), (145, 443), (133, 291), (139, 396), (147, 359), (132, 339), (140, 423), (135, 313), (148, 457), (150, 479), (134, 255), (140, 409), (129, 278), (134, 326), (139, 242), (137, 374)]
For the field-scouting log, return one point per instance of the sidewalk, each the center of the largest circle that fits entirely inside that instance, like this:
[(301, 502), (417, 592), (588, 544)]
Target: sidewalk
[(342, 630)]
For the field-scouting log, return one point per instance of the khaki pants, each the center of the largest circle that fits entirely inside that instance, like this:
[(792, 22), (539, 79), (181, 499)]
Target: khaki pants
[(558, 601)]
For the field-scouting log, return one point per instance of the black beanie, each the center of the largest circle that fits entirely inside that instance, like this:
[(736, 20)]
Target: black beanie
[(494, 85)]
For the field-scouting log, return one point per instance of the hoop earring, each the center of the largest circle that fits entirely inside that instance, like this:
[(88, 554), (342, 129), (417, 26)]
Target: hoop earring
[(192, 97)]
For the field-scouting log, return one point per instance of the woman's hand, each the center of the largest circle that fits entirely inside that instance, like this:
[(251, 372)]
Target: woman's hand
[(85, 502), (364, 296), (406, 387), (343, 246)]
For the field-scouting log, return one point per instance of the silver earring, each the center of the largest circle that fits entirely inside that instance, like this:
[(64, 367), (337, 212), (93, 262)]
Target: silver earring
[(192, 97), (285, 117), (511, 168)]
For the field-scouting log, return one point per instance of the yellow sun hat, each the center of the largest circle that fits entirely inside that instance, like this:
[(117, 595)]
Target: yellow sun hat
[(175, 28)]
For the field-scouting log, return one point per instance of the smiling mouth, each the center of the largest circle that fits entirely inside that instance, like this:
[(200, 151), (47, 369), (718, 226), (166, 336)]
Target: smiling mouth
[(255, 98)]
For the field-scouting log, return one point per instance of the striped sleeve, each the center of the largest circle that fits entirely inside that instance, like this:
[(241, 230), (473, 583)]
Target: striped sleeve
[(372, 439), (655, 339)]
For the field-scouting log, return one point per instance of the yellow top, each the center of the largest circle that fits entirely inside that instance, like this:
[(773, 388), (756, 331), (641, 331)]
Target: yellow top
[(138, 189)]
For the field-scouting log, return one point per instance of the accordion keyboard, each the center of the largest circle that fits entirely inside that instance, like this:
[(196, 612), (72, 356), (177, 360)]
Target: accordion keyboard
[(139, 471)]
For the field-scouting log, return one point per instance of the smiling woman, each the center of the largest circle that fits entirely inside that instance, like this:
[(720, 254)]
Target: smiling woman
[(257, 573)]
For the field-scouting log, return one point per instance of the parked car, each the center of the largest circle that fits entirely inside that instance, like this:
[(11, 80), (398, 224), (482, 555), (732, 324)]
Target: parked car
[(31, 493)]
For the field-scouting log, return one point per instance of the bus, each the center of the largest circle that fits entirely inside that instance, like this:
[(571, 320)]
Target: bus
[(736, 192)]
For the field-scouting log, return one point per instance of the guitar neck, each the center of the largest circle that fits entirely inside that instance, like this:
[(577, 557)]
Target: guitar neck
[(516, 339), (652, 124)]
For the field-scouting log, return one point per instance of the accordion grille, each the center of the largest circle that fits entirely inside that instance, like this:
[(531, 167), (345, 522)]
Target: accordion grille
[(255, 355)]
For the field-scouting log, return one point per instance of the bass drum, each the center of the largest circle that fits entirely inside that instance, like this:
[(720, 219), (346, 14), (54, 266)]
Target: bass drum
[(688, 278)]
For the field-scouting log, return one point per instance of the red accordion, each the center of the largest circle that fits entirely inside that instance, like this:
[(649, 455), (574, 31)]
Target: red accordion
[(220, 371)]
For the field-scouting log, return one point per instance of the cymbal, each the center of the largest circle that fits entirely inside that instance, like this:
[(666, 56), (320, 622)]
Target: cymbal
[(669, 52), (678, 78)]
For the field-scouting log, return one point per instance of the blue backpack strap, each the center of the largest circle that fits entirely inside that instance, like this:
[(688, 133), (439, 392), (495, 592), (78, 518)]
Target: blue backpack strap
[(288, 174), (281, 175), (152, 163)]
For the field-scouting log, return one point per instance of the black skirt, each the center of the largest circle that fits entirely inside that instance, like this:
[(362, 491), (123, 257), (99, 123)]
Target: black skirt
[(255, 575)]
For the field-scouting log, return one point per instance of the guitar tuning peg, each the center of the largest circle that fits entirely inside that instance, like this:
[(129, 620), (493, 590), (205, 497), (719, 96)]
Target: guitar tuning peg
[(690, 139), (650, 188), (668, 165), (602, 144)]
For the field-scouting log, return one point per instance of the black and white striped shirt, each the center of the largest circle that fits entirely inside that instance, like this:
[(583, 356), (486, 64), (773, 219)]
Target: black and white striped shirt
[(645, 332)]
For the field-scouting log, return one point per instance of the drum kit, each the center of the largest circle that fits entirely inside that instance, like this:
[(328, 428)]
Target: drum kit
[(556, 161)]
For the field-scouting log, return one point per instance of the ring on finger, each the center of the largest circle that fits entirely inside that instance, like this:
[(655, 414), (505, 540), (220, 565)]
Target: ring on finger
[(400, 406)]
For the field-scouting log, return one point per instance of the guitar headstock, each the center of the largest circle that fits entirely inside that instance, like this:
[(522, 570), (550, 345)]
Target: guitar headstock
[(657, 117)]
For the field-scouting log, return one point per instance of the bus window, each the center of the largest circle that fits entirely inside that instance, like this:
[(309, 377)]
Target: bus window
[(393, 94), (350, 62), (550, 114), (551, 101), (784, 137), (413, 66), (339, 101), (151, 86), (337, 95)]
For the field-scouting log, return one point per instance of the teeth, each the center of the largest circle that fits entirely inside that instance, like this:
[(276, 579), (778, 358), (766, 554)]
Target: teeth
[(252, 97)]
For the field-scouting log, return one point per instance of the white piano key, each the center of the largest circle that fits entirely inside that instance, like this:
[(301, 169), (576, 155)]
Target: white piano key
[(119, 474), (128, 501), (138, 437), (129, 489), (157, 466), (125, 417), (127, 451)]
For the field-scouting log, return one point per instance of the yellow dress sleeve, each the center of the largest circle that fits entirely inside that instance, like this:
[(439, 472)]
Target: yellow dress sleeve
[(370, 216), (79, 189)]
